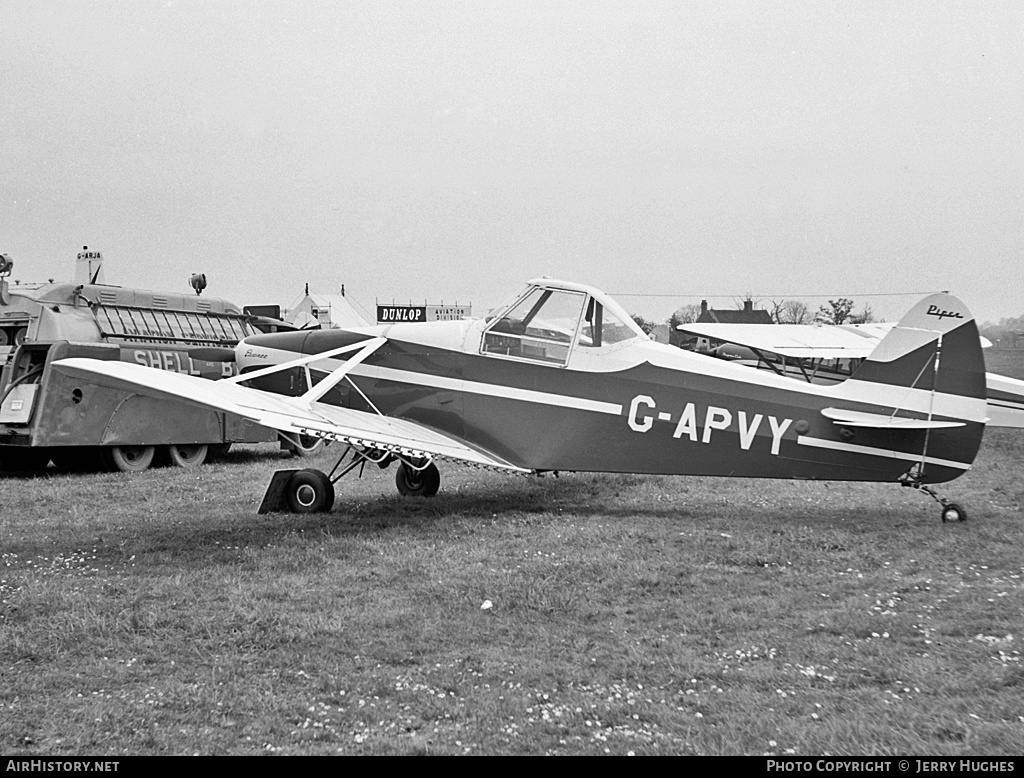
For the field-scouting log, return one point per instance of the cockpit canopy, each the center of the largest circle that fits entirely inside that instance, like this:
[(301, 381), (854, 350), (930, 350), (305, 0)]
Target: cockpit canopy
[(550, 319)]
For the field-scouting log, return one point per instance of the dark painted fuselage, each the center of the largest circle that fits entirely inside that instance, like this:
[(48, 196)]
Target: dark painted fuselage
[(643, 408)]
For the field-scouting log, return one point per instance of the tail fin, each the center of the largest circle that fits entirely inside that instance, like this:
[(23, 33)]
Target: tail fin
[(934, 347), (928, 376)]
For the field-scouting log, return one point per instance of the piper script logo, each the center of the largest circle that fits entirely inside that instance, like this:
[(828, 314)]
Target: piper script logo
[(934, 310)]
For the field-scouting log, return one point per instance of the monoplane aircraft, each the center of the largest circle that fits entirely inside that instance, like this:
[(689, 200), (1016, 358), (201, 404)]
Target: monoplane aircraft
[(560, 378)]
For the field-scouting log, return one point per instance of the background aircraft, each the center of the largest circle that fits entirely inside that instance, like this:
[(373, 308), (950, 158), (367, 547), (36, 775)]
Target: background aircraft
[(561, 378), (830, 354)]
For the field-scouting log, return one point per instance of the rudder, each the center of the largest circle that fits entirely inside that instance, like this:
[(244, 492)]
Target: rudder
[(935, 346)]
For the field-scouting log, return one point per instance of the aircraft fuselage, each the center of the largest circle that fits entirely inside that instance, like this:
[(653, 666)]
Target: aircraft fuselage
[(643, 407)]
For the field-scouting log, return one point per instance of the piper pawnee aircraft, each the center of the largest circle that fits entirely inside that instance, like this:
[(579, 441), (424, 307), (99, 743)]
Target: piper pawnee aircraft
[(560, 378)]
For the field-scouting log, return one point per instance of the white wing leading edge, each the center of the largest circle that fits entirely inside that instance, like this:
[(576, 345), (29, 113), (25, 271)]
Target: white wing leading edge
[(790, 340), (290, 415)]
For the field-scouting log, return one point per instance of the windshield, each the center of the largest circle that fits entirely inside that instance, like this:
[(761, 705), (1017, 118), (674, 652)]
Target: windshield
[(541, 326)]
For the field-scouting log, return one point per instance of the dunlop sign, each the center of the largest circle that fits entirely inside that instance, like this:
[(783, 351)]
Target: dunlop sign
[(389, 314)]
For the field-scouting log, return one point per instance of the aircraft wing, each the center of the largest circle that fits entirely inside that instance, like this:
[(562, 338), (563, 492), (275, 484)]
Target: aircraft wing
[(289, 415), (799, 341)]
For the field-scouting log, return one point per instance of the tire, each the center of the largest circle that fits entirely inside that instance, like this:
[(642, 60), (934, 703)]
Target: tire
[(307, 446), (953, 512), (309, 491), (187, 454), (130, 459), (418, 483)]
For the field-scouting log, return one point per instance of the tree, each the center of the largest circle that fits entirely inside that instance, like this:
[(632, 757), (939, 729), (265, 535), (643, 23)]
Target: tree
[(797, 312), (644, 324), (687, 314), (790, 312), (836, 312), (866, 316)]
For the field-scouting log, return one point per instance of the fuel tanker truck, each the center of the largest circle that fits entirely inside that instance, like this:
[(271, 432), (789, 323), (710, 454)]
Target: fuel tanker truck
[(43, 417)]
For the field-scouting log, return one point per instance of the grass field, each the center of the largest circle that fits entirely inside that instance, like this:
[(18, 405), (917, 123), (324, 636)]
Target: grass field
[(158, 614)]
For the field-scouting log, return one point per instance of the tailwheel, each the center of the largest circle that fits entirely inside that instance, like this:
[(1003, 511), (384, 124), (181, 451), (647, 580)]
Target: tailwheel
[(953, 512), (309, 491), (418, 483)]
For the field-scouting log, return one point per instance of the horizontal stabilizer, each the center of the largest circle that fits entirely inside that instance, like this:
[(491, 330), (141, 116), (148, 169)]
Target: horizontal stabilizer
[(1005, 401), (881, 421)]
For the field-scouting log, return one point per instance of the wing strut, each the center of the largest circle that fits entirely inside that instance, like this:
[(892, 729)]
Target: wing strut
[(328, 383), (367, 346)]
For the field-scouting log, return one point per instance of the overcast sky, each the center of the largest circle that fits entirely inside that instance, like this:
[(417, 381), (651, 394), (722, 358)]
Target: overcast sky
[(453, 150)]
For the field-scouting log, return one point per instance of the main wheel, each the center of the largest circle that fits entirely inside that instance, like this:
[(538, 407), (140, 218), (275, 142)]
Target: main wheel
[(953, 512), (306, 446), (310, 491), (418, 483), (130, 459), (187, 454)]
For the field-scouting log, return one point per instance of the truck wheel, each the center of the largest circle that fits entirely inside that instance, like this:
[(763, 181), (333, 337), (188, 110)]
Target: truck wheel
[(187, 455), (131, 459), (310, 491)]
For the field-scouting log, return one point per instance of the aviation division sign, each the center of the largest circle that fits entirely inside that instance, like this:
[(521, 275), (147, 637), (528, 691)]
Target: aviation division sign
[(389, 314)]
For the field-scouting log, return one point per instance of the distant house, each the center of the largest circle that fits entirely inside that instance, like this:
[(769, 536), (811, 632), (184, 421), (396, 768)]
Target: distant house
[(1014, 340), (748, 315), (660, 334)]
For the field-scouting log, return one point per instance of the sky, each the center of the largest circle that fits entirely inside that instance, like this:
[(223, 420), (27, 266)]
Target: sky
[(450, 151)]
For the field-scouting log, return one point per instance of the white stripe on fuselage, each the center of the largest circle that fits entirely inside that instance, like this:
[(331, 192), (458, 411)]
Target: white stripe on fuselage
[(852, 448), (490, 390)]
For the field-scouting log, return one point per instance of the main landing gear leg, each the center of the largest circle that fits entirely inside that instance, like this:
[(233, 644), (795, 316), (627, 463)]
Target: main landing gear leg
[(312, 491), (951, 511)]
